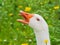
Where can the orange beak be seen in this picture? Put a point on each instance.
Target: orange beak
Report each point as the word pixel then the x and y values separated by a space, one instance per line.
pixel 26 16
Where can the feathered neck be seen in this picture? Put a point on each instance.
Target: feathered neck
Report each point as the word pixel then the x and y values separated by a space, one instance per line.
pixel 42 37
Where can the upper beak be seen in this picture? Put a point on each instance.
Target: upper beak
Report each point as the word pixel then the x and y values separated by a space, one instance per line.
pixel 26 16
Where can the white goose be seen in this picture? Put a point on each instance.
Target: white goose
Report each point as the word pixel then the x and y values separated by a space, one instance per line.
pixel 39 25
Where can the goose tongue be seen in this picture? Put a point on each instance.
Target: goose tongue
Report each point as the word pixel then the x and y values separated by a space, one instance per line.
pixel 26 16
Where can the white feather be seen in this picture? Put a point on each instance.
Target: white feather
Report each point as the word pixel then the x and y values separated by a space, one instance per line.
pixel 40 29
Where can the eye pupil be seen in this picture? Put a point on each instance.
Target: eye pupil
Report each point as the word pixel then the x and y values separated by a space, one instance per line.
pixel 38 19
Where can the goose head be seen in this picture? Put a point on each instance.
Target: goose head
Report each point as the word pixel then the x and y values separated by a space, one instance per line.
pixel 35 21
pixel 39 25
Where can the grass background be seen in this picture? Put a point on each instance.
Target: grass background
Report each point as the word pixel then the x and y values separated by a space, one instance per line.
pixel 15 33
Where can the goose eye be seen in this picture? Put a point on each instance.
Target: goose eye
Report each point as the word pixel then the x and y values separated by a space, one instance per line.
pixel 37 19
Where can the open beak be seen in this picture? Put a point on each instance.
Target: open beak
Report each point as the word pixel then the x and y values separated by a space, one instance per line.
pixel 26 16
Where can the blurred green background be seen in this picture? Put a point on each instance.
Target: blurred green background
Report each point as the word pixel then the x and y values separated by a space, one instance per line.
pixel 15 33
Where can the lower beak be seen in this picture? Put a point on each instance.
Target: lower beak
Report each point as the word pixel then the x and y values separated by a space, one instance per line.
pixel 26 16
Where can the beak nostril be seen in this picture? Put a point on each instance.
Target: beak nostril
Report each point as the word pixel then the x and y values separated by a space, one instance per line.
pixel 26 14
